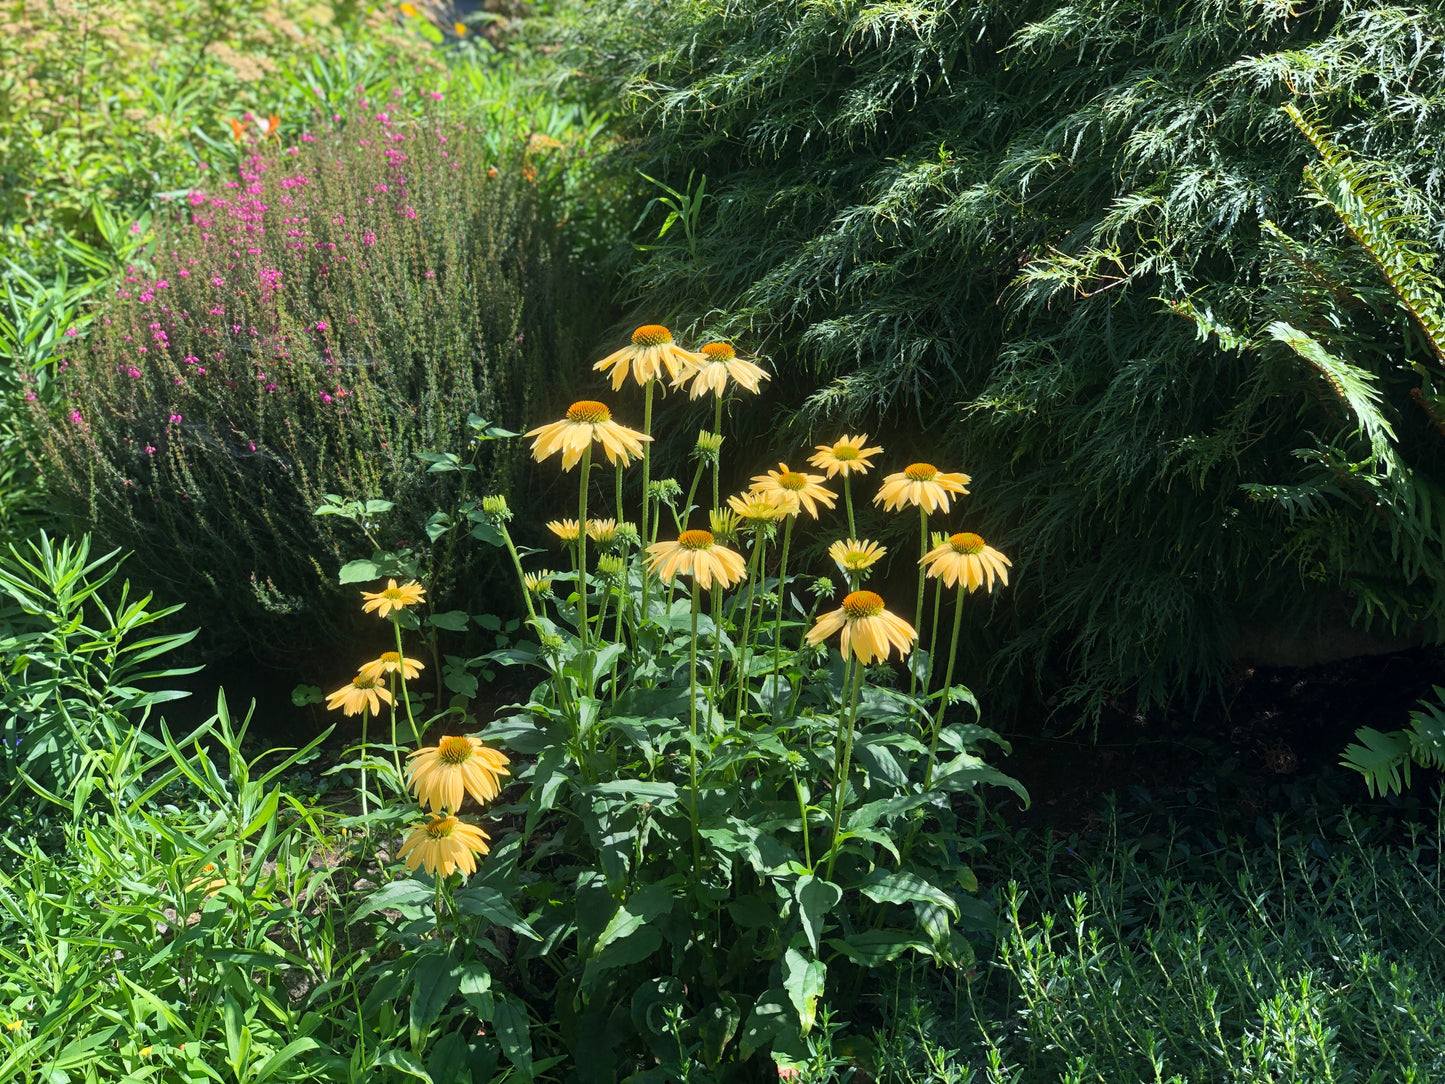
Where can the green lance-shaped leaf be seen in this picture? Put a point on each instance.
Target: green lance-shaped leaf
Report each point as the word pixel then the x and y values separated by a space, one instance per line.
pixel 1352 385
pixel 803 981
pixel 1383 759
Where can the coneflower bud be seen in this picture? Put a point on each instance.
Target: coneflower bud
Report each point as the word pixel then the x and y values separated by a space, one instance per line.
pixel 496 510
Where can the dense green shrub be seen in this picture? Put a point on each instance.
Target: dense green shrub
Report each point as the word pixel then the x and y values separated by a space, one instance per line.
pixel 306 328
pixel 1020 225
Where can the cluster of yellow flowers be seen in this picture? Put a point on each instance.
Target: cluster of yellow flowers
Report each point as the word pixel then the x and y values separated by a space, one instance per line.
pixel 442 775
pixel 868 629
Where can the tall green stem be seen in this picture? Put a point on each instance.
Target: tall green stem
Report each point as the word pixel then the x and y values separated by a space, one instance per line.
pixel 782 591
pixel 918 607
pixel 365 718
pixel 405 696
pixel 692 744
pixel 755 565
pixel 644 527
pixel 840 787
pixel 582 549
pixel 717 459
pixel 947 685
pixel 848 503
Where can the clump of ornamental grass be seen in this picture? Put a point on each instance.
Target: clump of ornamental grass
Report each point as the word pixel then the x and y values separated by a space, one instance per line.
pixel 731 802
pixel 307 327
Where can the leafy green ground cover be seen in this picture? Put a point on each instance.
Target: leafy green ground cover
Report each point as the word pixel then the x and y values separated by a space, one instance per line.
pixel 741 822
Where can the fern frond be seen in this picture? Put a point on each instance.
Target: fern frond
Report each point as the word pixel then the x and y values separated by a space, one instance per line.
pixel 1383 759
pixel 1427 731
pixel 1352 385
pixel 1363 203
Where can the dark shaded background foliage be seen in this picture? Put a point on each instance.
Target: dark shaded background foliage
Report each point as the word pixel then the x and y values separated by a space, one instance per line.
pixel 306 329
pixel 995 224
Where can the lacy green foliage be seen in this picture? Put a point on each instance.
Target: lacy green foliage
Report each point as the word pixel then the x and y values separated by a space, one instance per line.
pixel 1303 951
pixel 76 656
pixel 1384 759
pixel 1003 206
pixel 304 331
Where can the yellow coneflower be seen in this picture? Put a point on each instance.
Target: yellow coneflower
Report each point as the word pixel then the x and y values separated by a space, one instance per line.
pixel 966 560
pixel 920 484
pixel 445 844
pixel 792 488
pixel 538 583
pixel 565 529
pixel 696 554
pixel 755 508
pixel 454 766
pixel 390 663
pixel 363 692
pixel 602 531
pixel 393 597
pixel 845 456
pixel 587 420
pixel 409 10
pixel 718 364
pixel 869 630
pixel 852 555
pixel 460 29
pixel 651 352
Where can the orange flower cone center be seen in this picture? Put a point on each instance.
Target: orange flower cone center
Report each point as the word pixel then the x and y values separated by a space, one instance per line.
pixel 363 682
pixel 863 604
pixel 719 351
pixel 453 750
pixel 695 540
pixel 589 411
pixel 791 479
pixel 920 472
pixel 651 335
pixel 390 656
pixel 845 452
pixel 441 827
pixel 966 543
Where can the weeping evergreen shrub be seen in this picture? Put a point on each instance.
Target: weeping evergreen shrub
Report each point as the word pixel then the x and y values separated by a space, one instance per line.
pixel 307 327
pixel 1024 227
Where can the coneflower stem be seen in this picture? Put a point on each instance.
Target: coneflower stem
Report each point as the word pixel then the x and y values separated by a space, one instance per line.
pixel 717 459
pixel 918 607
pixel 646 483
pixel 405 698
pixel 782 581
pixel 692 744
pixel 365 718
pixel 532 609
pixel 840 787
pixel 755 564
pixel 932 642
pixel 947 683
pixel 582 549
pixel 848 503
